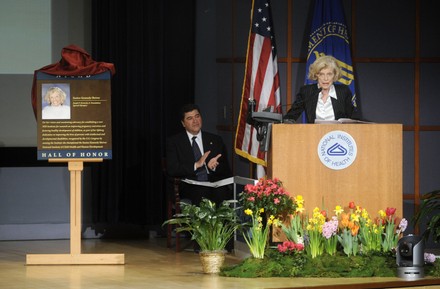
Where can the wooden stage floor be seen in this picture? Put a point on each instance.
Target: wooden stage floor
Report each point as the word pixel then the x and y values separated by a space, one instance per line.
pixel 149 264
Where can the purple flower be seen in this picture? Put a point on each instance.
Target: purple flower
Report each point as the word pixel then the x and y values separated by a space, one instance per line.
pixel 402 226
pixel 329 228
pixel 429 258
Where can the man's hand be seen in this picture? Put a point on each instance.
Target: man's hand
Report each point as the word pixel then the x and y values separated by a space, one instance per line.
pixel 202 160
pixel 213 163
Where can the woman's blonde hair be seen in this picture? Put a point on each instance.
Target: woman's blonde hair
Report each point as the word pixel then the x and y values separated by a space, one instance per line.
pixel 55 90
pixel 324 62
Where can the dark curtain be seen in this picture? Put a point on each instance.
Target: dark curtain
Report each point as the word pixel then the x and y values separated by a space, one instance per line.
pixel 151 44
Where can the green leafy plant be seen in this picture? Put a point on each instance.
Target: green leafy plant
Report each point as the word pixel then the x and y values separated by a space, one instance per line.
pixel 429 213
pixel 211 226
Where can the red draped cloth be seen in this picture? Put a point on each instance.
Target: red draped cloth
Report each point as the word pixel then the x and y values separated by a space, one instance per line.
pixel 75 61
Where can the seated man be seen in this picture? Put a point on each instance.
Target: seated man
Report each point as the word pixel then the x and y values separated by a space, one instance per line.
pixel 198 155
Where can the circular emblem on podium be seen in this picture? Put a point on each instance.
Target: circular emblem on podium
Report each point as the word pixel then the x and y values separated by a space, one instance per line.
pixel 337 150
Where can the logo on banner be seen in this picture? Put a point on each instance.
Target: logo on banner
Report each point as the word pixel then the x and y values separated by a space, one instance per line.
pixel 337 150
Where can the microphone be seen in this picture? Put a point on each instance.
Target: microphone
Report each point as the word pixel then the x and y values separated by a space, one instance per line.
pixel 251 109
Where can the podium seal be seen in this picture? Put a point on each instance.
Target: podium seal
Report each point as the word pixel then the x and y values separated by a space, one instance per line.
pixel 337 150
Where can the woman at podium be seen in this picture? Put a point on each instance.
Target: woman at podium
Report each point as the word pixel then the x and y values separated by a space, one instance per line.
pixel 323 100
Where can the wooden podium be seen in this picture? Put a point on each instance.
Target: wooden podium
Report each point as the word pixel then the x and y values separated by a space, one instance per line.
pixel 373 181
pixel 75 257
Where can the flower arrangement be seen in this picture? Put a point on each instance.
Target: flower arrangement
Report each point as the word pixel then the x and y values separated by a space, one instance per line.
pixel 264 202
pixel 351 229
pixel 322 244
pixel 268 194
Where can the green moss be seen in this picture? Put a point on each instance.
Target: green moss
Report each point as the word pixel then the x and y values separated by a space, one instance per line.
pixel 300 265
pixel 433 269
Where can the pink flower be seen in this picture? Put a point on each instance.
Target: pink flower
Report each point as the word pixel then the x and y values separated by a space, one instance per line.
pixel 282 248
pixel 299 247
pixel 330 228
pixel 289 244
pixel 289 247
pixel 268 194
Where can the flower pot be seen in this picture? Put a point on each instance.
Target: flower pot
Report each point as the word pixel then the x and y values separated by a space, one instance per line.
pixel 212 261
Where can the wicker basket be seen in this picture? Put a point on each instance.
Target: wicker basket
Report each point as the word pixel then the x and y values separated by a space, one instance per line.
pixel 212 261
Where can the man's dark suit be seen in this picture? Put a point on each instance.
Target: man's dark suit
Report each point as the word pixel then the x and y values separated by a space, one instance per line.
pixel 180 163
pixel 307 100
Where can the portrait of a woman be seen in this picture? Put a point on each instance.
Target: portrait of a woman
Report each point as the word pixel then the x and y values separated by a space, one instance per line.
pixel 57 107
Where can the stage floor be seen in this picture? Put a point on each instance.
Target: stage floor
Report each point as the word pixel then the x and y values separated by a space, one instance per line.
pixel 148 264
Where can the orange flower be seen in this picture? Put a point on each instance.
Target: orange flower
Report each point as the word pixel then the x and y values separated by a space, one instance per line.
pixel 354 228
pixel 345 220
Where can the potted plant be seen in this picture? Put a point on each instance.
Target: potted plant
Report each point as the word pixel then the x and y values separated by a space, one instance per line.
pixel 429 213
pixel 211 226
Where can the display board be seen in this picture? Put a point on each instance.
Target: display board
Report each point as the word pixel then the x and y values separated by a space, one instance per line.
pixel 74 116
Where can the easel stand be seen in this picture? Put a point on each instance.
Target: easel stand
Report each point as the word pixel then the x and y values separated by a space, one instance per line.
pixel 75 257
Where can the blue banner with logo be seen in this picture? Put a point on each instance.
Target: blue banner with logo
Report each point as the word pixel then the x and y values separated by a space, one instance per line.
pixel 329 36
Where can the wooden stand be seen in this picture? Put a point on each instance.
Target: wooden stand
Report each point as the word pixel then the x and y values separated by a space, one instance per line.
pixel 373 181
pixel 75 257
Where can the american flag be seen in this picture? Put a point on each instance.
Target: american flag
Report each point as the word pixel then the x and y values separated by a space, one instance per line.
pixel 261 80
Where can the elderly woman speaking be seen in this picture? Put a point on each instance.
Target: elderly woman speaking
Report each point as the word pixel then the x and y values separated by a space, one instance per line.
pixel 323 100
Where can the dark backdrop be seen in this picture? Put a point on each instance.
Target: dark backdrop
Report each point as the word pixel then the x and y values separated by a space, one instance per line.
pixel 151 44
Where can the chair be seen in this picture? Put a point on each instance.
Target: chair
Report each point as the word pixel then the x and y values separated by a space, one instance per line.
pixel 172 201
